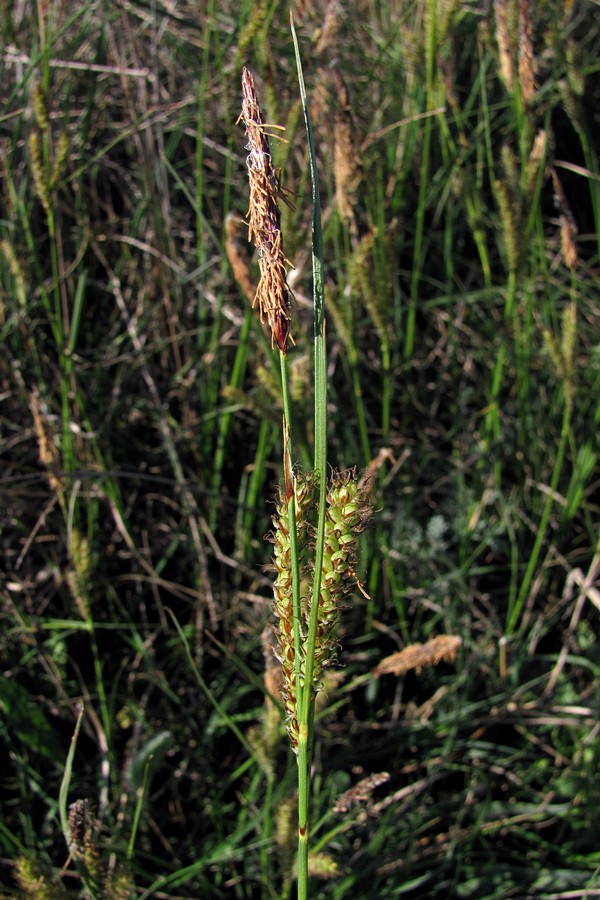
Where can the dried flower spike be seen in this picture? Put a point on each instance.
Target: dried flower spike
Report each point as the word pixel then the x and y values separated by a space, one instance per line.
pixel 237 257
pixel 360 792
pixel 347 167
pixel 416 656
pixel 264 221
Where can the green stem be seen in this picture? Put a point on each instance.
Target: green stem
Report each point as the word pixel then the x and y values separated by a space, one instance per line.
pixel 306 698
pixel 302 691
pixel 291 508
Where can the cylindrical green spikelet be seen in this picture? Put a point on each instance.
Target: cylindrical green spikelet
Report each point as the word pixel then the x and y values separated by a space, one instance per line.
pixel 78 577
pixel 536 163
pixel 40 108
pixel 285 832
pixel 568 346
pixel 119 885
pixel 347 513
pixel 510 220
pixel 282 589
pixel 60 159
pixel 34 882
pixel 39 173
pixel 16 271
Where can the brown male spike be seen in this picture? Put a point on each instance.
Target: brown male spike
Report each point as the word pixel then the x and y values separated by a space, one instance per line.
pixel 264 222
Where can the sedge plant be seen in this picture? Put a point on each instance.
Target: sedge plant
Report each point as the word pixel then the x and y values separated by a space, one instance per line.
pixel 318 518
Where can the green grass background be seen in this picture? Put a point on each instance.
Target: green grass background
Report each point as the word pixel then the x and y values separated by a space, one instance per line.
pixel 140 443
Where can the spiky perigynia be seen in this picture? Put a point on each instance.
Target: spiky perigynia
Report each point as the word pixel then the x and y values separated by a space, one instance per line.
pixel 282 589
pixel 347 513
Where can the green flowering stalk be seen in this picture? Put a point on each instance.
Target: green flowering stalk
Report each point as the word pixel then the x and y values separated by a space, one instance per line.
pixel 291 657
pixel 346 516
pixel 317 521
pixel 347 511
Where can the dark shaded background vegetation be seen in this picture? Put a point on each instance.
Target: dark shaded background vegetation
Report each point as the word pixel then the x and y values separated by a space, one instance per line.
pixel 139 434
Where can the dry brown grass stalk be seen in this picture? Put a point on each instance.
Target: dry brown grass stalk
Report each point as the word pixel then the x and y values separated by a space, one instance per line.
pixel 417 656
pixel 48 451
pixel 527 62
pixel 327 35
pixel 568 226
pixel 273 675
pixel 237 258
pixel 507 35
pixel 347 168
pixel 360 792
pixel 264 221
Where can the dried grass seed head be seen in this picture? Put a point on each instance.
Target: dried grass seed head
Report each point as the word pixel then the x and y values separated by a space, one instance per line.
pixel 417 656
